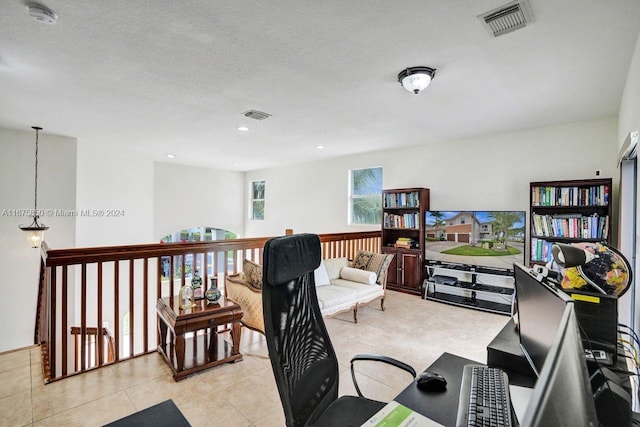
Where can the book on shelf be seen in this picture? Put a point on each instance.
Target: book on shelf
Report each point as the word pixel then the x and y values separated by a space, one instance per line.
pixel 405 243
pixel 595 195
pixel 541 250
pixel 407 220
pixel 402 200
pixel 572 226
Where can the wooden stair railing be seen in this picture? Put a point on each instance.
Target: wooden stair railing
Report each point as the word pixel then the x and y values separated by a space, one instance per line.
pixel 118 287
pixel 100 350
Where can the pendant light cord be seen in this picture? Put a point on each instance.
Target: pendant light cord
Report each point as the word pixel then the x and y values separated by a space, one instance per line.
pixel 35 193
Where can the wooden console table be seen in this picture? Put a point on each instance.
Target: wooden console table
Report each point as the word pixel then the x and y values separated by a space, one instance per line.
pixel 189 341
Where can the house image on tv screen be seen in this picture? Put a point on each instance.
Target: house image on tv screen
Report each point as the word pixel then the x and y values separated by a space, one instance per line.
pixel 477 238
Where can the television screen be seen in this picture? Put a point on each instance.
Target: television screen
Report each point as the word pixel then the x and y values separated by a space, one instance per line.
pixel 491 239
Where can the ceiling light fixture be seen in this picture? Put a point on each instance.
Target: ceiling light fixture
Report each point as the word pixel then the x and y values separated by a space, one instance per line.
pixel 41 13
pixel 243 128
pixel 35 230
pixel 416 79
pixel 320 147
pixel 171 156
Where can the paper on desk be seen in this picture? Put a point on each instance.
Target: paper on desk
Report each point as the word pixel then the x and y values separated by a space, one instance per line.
pixel 397 415
pixel 520 398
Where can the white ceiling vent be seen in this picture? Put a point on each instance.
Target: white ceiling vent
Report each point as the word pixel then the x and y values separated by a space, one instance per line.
pixel 510 17
pixel 255 114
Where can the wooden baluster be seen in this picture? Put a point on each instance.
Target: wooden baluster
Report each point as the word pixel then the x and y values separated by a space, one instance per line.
pixel 83 316
pixel 131 308
pixel 183 280
pixel 65 317
pixel 171 290
pixel 99 291
pixel 145 305
pixel 116 302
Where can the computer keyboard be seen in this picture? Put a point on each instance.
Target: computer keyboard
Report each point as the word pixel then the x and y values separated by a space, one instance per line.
pixel 484 397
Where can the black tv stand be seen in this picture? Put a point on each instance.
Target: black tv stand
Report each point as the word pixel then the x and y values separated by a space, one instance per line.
pixel 480 288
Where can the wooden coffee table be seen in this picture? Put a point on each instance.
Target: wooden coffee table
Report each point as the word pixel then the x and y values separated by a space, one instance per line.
pixel 188 339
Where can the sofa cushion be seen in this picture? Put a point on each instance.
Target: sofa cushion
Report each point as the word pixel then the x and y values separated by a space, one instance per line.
pixel 371 261
pixel 321 276
pixel 252 273
pixel 345 295
pixel 334 265
pixel 358 275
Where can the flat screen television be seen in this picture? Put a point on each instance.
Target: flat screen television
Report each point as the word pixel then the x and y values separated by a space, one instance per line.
pixel 475 239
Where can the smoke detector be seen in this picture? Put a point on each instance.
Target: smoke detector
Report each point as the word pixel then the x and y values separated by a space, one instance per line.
pixel 505 19
pixel 42 13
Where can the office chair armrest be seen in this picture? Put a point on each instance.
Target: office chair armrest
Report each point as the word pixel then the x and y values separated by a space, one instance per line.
pixel 376 358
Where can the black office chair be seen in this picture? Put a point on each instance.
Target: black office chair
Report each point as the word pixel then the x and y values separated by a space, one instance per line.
pixel 304 363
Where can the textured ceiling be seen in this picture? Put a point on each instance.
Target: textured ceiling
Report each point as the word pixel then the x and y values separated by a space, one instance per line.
pixel 175 77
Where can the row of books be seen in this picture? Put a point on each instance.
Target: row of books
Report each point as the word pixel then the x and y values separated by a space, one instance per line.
pixel 573 226
pixel 541 250
pixel 401 200
pixel 596 195
pixel 408 220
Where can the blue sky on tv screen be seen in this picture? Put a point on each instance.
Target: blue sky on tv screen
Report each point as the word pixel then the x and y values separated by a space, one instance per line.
pixel 485 216
pixel 482 216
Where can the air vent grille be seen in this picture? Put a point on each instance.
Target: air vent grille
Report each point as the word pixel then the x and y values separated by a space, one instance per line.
pixel 255 114
pixel 508 18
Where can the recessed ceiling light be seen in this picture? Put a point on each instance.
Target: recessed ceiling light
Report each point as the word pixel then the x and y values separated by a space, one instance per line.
pixel 42 14
pixel 236 164
pixel 320 147
pixel 243 128
pixel 171 156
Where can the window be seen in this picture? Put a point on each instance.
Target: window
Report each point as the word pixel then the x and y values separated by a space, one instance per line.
pixel 257 200
pixel 365 196
pixel 197 234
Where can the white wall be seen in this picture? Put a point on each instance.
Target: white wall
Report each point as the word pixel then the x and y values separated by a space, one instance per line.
pixel 186 196
pixel 118 185
pixel 629 116
pixel 484 172
pixel 19 264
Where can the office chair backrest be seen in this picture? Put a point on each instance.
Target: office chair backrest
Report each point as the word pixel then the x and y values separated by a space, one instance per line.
pixel 302 357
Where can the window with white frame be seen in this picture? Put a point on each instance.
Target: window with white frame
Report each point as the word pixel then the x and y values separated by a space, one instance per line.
pixel 256 190
pixel 365 196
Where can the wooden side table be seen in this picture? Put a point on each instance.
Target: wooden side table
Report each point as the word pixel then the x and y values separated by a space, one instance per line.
pixel 189 340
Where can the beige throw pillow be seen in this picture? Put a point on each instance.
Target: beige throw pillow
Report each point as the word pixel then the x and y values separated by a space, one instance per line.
pixel 252 273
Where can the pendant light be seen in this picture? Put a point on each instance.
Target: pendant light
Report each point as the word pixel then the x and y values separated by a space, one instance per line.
pixel 35 230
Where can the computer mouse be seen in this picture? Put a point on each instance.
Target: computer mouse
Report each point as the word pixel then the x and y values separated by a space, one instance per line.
pixel 430 381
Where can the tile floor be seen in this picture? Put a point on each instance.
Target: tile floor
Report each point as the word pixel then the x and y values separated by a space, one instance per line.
pixel 244 394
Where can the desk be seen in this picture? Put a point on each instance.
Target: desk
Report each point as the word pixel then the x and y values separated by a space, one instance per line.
pixel 503 352
pixel 203 348
pixel 441 407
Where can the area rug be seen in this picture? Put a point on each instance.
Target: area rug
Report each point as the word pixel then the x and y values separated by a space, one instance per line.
pixel 164 414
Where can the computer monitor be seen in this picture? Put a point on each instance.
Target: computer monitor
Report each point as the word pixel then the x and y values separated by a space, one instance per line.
pixel 562 394
pixel 540 310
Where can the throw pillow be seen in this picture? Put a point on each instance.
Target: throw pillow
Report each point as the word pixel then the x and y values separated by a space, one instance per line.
pixel 321 276
pixel 252 273
pixel 358 275
pixel 371 261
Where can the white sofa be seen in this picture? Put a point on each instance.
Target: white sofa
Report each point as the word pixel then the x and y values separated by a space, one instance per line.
pixel 339 288
pixel 343 294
